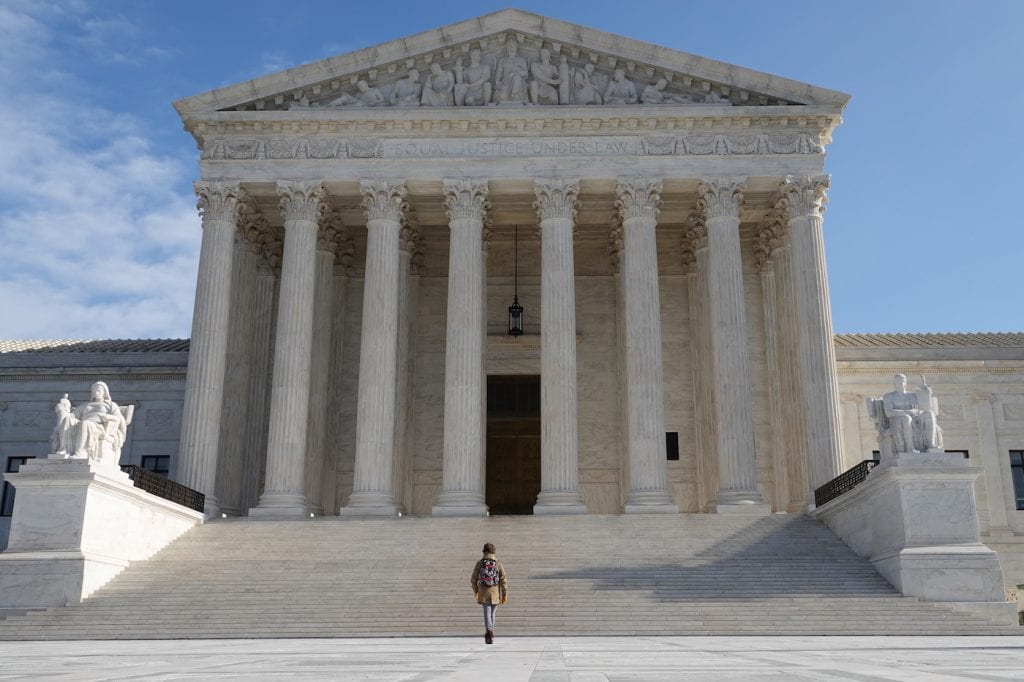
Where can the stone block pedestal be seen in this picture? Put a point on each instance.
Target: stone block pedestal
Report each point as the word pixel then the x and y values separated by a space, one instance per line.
pixel 915 519
pixel 76 525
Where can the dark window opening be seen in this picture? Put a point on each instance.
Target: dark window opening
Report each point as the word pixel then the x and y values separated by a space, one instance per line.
pixel 7 500
pixel 1017 474
pixel 158 464
pixel 672 446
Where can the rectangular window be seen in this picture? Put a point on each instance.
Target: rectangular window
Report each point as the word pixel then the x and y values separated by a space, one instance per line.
pixel 672 445
pixel 1017 474
pixel 7 500
pixel 158 464
pixel 965 453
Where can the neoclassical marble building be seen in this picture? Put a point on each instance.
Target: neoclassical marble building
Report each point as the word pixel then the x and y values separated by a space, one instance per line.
pixel 357 264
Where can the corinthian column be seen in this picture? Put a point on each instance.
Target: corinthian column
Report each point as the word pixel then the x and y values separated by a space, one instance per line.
pixel 638 203
pixel 720 201
pixel 204 386
pixel 559 477
pixel 284 487
pixel 464 401
pixel 802 200
pixel 372 484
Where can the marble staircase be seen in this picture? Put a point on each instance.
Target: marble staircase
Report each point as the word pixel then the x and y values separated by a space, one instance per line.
pixel 579 575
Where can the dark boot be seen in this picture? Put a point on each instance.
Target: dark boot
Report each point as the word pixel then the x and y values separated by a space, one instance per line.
pixel 489 637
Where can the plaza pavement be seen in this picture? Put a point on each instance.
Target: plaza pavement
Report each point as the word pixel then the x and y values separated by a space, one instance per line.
pixel 533 659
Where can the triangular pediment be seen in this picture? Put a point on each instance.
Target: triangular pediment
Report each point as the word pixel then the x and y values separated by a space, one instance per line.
pixel 511 58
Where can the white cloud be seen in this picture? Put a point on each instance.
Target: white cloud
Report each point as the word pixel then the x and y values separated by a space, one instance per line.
pixel 99 238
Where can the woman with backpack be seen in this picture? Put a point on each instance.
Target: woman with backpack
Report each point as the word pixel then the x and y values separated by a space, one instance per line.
pixel 490 588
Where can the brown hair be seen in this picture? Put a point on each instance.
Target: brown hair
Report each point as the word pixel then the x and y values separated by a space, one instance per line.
pixel 488 548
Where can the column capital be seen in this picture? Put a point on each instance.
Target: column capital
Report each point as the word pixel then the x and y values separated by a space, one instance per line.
pixel 720 197
pixel 556 198
pixel 770 238
pixel 615 245
pixel 219 201
pixel 466 199
pixel 252 229
pixel 803 195
pixel 330 229
pixel 384 199
pixel 695 238
pixel 638 198
pixel 301 200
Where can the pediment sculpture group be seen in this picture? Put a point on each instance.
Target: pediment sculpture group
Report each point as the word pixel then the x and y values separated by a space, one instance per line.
pixel 512 80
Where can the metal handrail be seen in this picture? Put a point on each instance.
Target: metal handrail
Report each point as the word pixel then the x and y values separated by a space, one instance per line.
pixel 844 482
pixel 156 484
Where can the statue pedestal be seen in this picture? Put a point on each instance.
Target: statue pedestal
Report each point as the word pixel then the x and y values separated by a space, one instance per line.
pixel 915 519
pixel 75 526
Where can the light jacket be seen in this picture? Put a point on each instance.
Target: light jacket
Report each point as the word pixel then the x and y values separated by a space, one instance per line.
pixel 493 594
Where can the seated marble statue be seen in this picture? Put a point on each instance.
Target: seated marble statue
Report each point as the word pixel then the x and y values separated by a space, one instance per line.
pixel 583 84
pixel 407 91
pixel 365 97
pixel 473 84
pixel 95 430
pixel 544 86
pixel 510 78
pixel 620 90
pixel 437 91
pixel 906 421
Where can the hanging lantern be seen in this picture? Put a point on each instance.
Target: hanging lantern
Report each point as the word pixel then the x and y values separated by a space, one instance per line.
pixel 515 311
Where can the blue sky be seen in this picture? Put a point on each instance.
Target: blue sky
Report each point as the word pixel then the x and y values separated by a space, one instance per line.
pixel 99 235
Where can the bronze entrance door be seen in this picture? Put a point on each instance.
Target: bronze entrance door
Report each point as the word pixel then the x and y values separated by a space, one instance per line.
pixel 513 443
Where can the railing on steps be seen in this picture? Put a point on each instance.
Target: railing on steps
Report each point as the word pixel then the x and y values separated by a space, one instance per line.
pixel 844 482
pixel 165 488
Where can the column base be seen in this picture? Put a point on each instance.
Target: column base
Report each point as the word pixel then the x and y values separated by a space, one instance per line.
pixel 370 504
pixel 741 502
pixel 650 502
pixel 459 503
pixel 555 502
pixel 280 504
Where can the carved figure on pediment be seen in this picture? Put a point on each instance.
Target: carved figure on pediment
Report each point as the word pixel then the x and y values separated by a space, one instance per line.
pixel 407 91
pixel 714 98
pixel 585 90
pixel 655 94
pixel 905 421
pixel 473 86
pixel 95 430
pixel 439 87
pixel 621 90
pixel 544 85
pixel 511 77
pixel 365 96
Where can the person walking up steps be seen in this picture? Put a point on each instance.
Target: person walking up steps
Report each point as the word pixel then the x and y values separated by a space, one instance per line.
pixel 490 587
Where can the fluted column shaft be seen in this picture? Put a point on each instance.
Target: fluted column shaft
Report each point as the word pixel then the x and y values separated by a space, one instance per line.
pixel 721 200
pixel 257 402
pixel 803 200
pixel 204 386
pixel 238 373
pixel 559 478
pixel 320 360
pixel 461 483
pixel 792 408
pixel 696 253
pixel 284 486
pixel 372 493
pixel 638 204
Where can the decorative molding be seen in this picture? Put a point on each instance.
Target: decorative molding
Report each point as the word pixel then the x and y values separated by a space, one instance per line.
pixel 720 197
pixel 302 201
pixel 384 199
pixel 557 198
pixel 803 196
pixel 241 149
pixel 219 201
pixel 638 198
pixel 466 199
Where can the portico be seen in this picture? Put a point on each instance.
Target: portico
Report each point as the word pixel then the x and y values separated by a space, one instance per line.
pixel 670 267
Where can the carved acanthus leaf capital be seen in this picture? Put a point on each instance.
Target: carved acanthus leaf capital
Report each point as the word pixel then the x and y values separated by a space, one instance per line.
pixel 302 201
pixel 803 196
pixel 384 199
pixel 720 197
pixel 219 201
pixel 466 199
pixel 638 198
pixel 252 228
pixel 330 229
pixel 557 198
pixel 615 248
pixel 409 234
pixel 695 238
pixel 770 237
